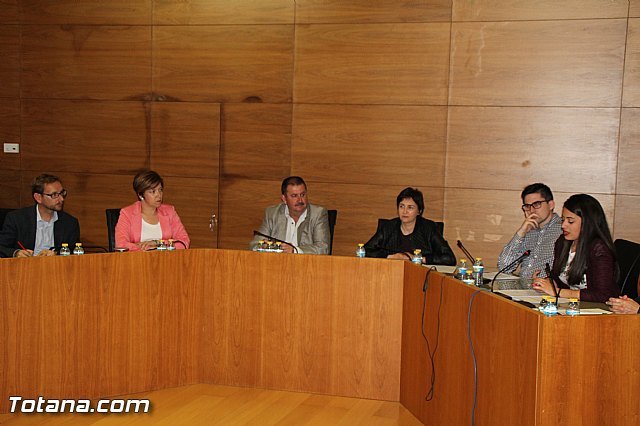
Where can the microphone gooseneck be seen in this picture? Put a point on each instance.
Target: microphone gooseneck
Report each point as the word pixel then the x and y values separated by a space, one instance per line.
pixel 515 262
pixel 464 250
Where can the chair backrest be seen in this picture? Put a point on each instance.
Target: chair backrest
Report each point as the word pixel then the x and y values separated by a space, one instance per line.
pixel 112 220
pixel 333 216
pixel 439 225
pixel 628 254
pixel 3 213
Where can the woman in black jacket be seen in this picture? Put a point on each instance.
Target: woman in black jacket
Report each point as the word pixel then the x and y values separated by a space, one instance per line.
pixel 398 238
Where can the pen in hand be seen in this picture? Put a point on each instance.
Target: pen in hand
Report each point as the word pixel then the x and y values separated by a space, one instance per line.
pixel 27 252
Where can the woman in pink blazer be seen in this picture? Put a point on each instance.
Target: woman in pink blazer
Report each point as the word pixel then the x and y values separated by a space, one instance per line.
pixel 146 221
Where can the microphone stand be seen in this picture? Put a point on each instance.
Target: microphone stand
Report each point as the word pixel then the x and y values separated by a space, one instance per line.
pixel 553 283
pixel 515 262
pixel 464 250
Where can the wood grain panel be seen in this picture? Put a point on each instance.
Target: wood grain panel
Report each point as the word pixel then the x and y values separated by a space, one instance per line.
pixel 360 206
pixel 522 145
pixel 9 132
pixel 233 332
pixel 10 64
pixel 199 12
pixel 194 199
pixel 89 316
pixel 372 64
pixel 487 225
pixel 84 136
pixel 9 12
pixel 629 153
pixel 564 63
pixel 256 141
pixel 363 11
pixel 87 12
pixel 631 92
pixel 95 62
pixel 369 144
pixel 185 139
pixel 361 355
pixel 365 342
pixel 242 204
pixel 591 350
pixel 199 315
pixel 250 63
pixel 626 221
pixel 634 8
pixel 506 359
pixel 9 188
pixel 512 10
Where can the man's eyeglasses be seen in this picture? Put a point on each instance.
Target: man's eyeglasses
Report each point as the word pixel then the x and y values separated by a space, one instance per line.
pixel 56 195
pixel 535 205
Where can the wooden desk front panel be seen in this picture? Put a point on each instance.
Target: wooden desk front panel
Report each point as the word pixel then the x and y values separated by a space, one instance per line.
pixel 532 370
pixel 111 324
pixel 505 342
pixel 321 324
pixel 590 370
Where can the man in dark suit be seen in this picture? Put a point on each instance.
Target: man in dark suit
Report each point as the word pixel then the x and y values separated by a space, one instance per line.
pixel 304 226
pixel 42 227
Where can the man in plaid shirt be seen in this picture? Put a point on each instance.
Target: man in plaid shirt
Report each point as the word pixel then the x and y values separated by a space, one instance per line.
pixel 539 231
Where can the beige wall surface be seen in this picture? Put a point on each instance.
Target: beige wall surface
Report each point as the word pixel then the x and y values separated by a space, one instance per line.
pixel 468 101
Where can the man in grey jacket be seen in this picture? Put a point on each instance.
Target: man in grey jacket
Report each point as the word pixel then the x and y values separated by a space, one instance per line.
pixel 303 226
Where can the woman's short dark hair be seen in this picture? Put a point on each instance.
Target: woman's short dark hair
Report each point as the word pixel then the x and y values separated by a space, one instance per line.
pixel 146 180
pixel 594 227
pixel 415 195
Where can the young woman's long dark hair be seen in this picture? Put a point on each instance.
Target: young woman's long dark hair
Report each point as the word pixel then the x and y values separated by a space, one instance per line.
pixel 594 227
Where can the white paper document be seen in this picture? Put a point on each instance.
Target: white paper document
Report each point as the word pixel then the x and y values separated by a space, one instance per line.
pixel 503 276
pixel 529 295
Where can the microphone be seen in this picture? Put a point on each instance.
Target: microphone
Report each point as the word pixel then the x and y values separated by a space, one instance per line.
pixel 515 262
pixel 553 283
pixel 275 239
pixel 464 250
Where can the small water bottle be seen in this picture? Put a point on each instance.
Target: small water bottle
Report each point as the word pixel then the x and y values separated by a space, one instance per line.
pixel 171 245
pixel 550 308
pixel 468 277
pixel 360 251
pixel 478 271
pixel 543 303
pixel 417 257
pixel 278 247
pixel 78 250
pixel 161 245
pixel 64 250
pixel 461 269
pixel 573 308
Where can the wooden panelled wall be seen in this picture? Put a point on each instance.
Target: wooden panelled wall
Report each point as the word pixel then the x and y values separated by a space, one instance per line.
pixel 467 100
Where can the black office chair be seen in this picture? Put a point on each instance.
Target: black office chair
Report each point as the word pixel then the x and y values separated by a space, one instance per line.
pixel 333 215
pixel 112 220
pixel 3 213
pixel 439 225
pixel 628 254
